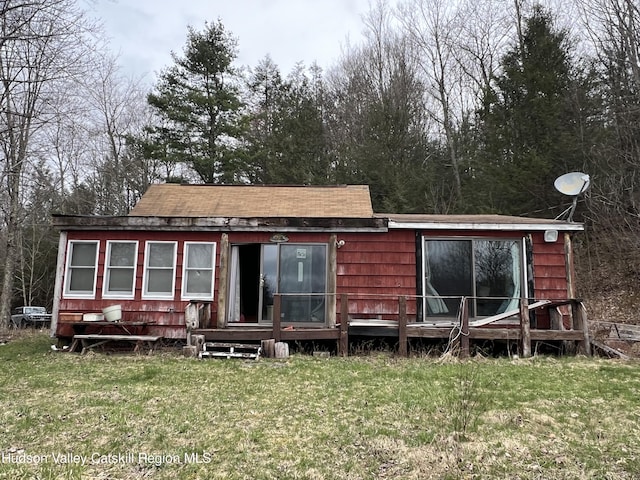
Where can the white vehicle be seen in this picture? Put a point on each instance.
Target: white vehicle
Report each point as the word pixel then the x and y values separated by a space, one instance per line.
pixel 30 317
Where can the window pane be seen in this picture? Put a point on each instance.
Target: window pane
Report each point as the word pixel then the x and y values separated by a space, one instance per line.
pixel 199 281
pixel 120 280
pixel 159 281
pixel 448 274
pixel 497 270
pixel 160 255
pixel 199 255
pixel 83 254
pixel 121 254
pixel 81 280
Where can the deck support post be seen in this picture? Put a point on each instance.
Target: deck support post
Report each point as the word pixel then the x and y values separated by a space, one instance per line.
pixel 277 302
pixel 525 328
pixel 343 343
pixel 464 329
pixel 580 323
pixel 402 326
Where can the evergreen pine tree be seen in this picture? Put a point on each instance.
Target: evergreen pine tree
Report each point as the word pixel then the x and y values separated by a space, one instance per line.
pixel 528 123
pixel 198 104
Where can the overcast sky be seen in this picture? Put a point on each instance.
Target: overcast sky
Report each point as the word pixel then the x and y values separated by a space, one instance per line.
pixel 144 32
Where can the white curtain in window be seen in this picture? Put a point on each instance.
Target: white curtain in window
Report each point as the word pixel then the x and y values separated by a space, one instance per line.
pixel 514 302
pixel 234 286
pixel 434 300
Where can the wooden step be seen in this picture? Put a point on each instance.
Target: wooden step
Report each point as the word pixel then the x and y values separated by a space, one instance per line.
pixel 230 350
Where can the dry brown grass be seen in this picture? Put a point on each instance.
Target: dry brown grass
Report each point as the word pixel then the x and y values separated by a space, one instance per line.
pixel 374 417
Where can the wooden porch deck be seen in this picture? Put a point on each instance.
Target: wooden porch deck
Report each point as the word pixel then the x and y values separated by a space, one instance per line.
pixel 460 330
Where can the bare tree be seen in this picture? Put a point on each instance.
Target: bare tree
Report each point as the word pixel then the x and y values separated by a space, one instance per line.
pixel 433 27
pixel 118 112
pixel 485 28
pixel 377 120
pixel 41 43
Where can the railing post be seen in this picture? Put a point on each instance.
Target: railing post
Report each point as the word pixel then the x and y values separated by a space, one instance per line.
pixel 343 343
pixel 464 329
pixel 402 326
pixel 277 299
pixel 525 328
pixel 580 323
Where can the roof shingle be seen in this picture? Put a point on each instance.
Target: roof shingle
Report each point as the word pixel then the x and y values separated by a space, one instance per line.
pixel 254 201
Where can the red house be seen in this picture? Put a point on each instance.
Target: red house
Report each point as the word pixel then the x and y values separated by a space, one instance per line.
pixel 302 262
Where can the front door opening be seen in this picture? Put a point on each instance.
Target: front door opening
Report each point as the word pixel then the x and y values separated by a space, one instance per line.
pixel 296 271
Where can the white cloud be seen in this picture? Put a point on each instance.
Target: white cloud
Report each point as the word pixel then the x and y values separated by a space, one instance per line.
pixel 144 32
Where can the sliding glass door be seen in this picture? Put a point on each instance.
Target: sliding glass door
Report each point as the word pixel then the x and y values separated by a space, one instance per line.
pixel 259 271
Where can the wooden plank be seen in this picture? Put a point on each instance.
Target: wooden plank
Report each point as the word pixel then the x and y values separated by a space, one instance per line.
pixel 402 326
pixel 557 335
pixel 428 332
pixel 495 334
pixel 268 348
pixel 580 323
pixel 556 319
pixel 343 345
pixel 608 350
pixel 90 341
pixel 464 328
pixel 374 331
pixel 277 317
pixel 311 334
pixel 244 346
pixel 331 280
pixel 510 313
pixel 240 334
pixel 247 355
pixel 525 328
pixel 372 322
pixel 223 274
pixel 230 350
pixel 130 338
pixel 624 331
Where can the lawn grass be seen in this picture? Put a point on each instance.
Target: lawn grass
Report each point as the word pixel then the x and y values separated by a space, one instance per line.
pixel 376 416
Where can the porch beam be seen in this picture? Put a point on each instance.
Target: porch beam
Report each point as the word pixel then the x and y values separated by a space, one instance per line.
pixel 525 328
pixel 464 329
pixel 402 326
pixel 277 331
pixel 343 344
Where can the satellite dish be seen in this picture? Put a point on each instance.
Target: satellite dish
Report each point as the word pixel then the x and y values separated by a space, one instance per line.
pixel 571 184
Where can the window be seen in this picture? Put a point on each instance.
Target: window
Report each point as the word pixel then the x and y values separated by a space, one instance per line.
pixel 197 278
pixel 120 269
pixel 159 269
pixel 487 270
pixel 82 261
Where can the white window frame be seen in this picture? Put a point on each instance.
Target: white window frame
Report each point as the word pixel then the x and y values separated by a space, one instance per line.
pixel 185 272
pixel 145 280
pixel 68 293
pixel 107 271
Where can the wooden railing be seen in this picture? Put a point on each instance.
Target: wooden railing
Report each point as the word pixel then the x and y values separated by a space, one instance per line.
pixel 399 318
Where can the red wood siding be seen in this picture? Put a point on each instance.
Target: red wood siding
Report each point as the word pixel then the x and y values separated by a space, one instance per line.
pixel 167 315
pixel 549 268
pixel 549 274
pixel 374 269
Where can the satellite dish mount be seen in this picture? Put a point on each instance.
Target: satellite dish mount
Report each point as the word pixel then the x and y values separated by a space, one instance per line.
pixel 571 184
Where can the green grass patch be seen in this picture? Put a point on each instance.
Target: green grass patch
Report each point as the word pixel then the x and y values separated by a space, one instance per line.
pixel 163 416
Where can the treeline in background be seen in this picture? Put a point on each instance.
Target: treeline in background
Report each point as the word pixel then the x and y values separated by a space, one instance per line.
pixel 473 106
